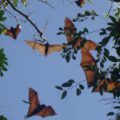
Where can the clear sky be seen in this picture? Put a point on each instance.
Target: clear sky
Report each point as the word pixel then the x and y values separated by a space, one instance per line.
pixel 28 68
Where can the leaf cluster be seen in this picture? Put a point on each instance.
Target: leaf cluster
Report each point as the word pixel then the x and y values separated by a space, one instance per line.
pixel 3 62
pixel 64 87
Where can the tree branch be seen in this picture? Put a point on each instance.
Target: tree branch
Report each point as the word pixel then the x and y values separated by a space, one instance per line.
pixel 27 18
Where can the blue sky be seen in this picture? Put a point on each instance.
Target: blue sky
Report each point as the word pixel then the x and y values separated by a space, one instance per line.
pixel 27 68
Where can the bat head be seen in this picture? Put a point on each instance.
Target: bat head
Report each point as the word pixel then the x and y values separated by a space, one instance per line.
pixel 69 29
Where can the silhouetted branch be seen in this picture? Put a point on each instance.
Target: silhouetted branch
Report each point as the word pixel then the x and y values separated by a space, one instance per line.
pixel 17 19
pixel 26 17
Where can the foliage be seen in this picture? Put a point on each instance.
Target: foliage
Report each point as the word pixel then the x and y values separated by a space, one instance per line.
pixel 2 117
pixel 69 85
pixel 3 62
pixel 110 33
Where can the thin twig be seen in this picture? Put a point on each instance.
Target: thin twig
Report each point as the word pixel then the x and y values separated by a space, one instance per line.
pixel 47 3
pixel 110 8
pixel 27 18
pixel 93 32
pixel 17 19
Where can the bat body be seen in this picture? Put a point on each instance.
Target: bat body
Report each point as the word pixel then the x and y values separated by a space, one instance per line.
pixel 88 60
pixel 45 49
pixel 13 32
pixel 80 3
pixel 36 108
pixel 69 29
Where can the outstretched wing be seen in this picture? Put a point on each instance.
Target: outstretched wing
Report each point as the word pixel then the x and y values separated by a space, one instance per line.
pixel 111 85
pixel 47 111
pixel 89 44
pixel 36 45
pixel 88 61
pixel 45 49
pixel 13 32
pixel 34 101
pixel 55 48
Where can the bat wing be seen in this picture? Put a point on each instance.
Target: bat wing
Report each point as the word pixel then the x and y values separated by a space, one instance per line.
pixel 111 85
pixel 9 33
pixel 34 101
pixel 17 31
pixel 55 48
pixel 36 45
pixel 88 60
pixel 47 111
pixel 13 32
pixel 90 45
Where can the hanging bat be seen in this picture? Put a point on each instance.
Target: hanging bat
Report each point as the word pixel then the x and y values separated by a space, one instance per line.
pixel 89 44
pixel 87 61
pixel 45 49
pixel 80 3
pixel 13 32
pixel 111 86
pixel 36 108
pixel 69 29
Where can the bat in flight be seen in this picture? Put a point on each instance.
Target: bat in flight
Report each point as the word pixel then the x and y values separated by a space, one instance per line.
pixel 13 32
pixel 36 108
pixel 45 49
pixel 70 31
pixel 87 61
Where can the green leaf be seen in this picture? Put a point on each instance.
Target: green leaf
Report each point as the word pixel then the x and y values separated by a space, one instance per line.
pixel 1 13
pixel 110 114
pixel 24 2
pixel 65 85
pixel 64 94
pixel 101 64
pixel 112 58
pixel 113 19
pixel 15 2
pixel 2 117
pixel 58 87
pixel 60 28
pixel 70 81
pixel 81 86
pixel 106 52
pixel 78 91
pixel 105 41
pixel 117 107
pixel 59 33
